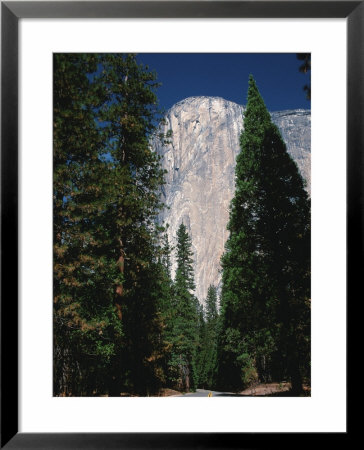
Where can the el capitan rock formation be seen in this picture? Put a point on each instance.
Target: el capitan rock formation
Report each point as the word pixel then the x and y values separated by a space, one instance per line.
pixel 200 163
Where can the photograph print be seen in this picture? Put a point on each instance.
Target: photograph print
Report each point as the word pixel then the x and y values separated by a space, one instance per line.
pixel 181 225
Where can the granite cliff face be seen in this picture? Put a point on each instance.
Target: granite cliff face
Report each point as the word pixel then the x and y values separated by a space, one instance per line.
pixel 200 164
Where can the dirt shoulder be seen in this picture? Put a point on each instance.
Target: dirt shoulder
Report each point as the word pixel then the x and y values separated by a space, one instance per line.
pixel 273 390
pixel 166 392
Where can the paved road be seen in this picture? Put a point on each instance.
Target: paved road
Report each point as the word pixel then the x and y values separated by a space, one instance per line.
pixel 204 393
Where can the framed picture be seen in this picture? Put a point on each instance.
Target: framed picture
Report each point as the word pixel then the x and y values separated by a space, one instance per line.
pixel 44 417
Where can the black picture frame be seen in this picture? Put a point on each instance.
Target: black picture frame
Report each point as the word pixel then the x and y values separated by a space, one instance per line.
pixel 11 12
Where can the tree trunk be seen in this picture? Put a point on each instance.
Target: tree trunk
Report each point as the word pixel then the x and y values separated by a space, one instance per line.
pixel 289 341
pixel 294 371
pixel 119 288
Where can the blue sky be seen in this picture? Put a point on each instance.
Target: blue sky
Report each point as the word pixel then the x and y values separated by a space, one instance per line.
pixel 226 75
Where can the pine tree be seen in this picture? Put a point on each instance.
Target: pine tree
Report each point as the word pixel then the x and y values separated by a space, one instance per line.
pixel 208 339
pixel 211 304
pixel 166 311
pixel 265 324
pixel 136 176
pixel 106 244
pixel 184 336
pixel 86 329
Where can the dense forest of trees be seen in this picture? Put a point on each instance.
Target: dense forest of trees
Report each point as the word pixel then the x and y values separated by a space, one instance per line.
pixel 106 243
pixel 122 325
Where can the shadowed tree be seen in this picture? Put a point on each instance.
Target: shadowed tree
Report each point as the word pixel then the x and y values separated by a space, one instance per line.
pixel 208 340
pixel 184 338
pixel 106 244
pixel 265 313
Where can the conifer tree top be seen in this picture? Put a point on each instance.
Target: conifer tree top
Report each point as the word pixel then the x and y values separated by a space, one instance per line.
pixel 256 110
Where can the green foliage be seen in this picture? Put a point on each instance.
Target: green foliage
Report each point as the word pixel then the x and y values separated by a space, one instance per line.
pixel 107 278
pixel 184 326
pixel 207 362
pixel 120 323
pixel 266 264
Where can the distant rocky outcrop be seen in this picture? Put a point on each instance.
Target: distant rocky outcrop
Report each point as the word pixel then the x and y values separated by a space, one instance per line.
pixel 200 163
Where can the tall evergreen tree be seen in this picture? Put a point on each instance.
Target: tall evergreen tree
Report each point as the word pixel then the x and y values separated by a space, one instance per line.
pixel 208 339
pixel 184 337
pixel 86 330
pixel 106 243
pixel 136 177
pixel 166 310
pixel 265 318
pixel 211 304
